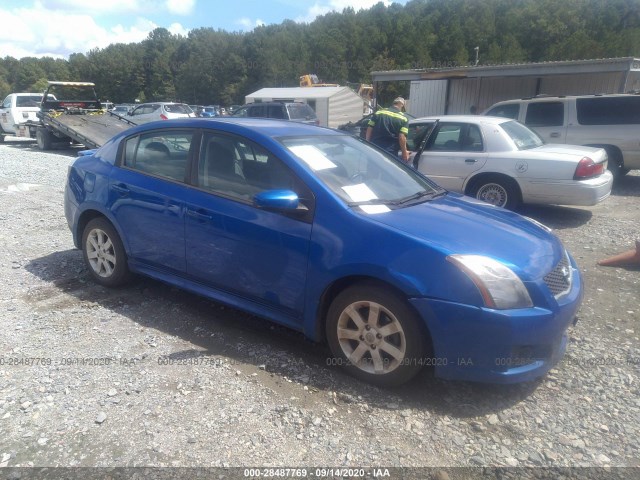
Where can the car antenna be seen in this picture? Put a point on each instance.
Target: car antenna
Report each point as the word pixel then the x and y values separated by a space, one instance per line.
pixel 427 137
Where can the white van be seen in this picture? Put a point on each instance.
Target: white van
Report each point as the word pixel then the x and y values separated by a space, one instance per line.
pixel 611 122
pixel 16 109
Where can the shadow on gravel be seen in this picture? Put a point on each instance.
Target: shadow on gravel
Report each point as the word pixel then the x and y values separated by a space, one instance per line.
pixel 278 354
pixel 627 186
pixel 554 216
pixel 32 146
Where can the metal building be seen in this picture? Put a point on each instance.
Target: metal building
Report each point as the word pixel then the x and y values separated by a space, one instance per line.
pixel 334 106
pixel 456 90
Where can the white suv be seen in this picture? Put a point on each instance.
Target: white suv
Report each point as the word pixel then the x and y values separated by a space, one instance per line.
pixel 611 122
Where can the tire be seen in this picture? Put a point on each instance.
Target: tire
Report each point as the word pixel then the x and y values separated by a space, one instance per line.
pixel 1 138
pixel 43 138
pixel 375 335
pixel 498 191
pixel 615 164
pixel 104 253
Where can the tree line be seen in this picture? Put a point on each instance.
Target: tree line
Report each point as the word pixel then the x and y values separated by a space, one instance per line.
pixel 218 67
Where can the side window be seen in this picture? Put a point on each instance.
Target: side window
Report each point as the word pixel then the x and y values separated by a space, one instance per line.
pixel 256 111
pixel 238 168
pixel 161 153
pixel 417 134
pixel 7 102
pixel 472 141
pixel 608 110
pixel 276 111
pixel 545 114
pixel 511 110
pixel 447 138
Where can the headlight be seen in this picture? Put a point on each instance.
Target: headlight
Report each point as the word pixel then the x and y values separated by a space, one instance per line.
pixel 500 288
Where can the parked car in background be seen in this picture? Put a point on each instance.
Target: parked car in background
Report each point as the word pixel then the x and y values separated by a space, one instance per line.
pixel 611 122
pixel 232 108
pixel 502 162
pixel 323 233
pixel 148 112
pixel 294 111
pixel 197 109
pixel 122 109
pixel 210 111
pixel 16 109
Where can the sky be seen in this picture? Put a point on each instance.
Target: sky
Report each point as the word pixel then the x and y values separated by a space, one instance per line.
pixel 58 28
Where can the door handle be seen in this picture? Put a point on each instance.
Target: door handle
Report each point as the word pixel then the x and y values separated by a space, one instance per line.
pixel 470 160
pixel 554 135
pixel 199 215
pixel 123 190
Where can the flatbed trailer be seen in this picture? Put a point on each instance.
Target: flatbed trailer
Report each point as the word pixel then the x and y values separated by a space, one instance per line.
pixel 71 112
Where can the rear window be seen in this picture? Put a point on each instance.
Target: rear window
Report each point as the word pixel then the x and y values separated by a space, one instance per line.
pixel 178 108
pixel 28 100
pixel 300 111
pixel 608 111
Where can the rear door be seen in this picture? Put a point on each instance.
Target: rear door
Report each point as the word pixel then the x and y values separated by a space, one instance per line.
pixel 455 150
pixel 146 197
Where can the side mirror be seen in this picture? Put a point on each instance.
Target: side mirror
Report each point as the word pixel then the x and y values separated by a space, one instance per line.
pixel 277 200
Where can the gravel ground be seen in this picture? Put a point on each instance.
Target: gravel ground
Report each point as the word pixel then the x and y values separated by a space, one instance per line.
pixel 152 376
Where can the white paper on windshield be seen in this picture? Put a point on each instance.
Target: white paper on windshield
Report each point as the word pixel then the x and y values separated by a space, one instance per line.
pixel 373 209
pixel 359 193
pixel 312 157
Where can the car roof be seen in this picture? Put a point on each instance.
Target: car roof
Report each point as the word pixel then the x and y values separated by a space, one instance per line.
pixel 263 126
pixel 462 118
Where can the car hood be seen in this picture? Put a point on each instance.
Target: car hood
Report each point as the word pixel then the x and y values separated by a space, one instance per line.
pixel 462 225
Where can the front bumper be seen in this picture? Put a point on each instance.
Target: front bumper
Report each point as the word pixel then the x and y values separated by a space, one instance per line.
pixel 498 346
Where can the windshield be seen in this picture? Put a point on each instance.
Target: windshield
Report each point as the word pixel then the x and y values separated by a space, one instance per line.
pixel 522 136
pixel 360 174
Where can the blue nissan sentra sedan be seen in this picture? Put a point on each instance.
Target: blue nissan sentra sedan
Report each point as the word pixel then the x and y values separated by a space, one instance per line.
pixel 319 231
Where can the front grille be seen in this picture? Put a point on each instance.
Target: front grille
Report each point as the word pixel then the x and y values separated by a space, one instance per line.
pixel 560 278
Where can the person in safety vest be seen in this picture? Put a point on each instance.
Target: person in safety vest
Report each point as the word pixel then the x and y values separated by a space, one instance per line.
pixel 388 129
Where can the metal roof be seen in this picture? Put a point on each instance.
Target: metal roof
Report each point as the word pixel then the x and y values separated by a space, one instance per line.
pixel 623 64
pixel 297 92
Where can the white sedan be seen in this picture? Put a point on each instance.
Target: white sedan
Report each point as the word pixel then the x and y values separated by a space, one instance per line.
pixel 502 162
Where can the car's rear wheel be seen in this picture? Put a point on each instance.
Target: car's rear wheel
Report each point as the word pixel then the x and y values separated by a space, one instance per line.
pixel 498 191
pixel 104 253
pixel 375 335
pixel 615 163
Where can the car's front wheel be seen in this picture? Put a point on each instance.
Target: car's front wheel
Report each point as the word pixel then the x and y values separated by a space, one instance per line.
pixel 104 253
pixel 375 335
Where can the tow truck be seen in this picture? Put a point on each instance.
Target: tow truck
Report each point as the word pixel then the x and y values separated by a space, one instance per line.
pixel 71 112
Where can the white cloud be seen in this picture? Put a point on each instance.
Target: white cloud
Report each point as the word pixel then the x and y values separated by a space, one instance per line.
pixel 248 24
pixel 324 7
pixel 180 7
pixel 42 32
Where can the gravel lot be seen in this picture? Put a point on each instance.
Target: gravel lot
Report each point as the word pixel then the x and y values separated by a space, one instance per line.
pixel 152 376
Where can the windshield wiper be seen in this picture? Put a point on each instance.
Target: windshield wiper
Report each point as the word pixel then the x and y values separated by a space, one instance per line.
pixel 418 195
